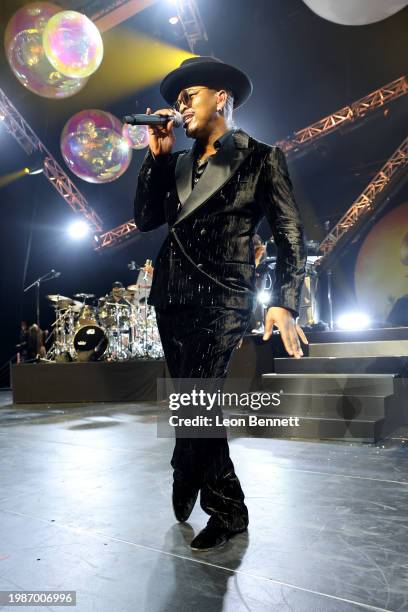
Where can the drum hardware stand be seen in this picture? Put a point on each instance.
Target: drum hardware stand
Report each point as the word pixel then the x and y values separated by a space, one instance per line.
pixel 42 279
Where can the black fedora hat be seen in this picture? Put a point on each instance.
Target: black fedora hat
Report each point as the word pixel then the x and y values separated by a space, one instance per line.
pixel 208 71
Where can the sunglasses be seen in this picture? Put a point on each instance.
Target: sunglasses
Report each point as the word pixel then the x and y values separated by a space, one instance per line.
pixel 185 97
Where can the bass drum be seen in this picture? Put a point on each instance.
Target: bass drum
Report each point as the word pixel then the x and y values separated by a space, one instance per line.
pixel 90 343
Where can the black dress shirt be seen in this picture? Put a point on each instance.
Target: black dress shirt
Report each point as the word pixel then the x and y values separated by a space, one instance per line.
pixel 199 168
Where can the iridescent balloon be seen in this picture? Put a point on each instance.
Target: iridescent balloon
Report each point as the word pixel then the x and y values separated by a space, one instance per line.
pixel 26 56
pixel 30 17
pixel 73 44
pixel 136 135
pixel 93 147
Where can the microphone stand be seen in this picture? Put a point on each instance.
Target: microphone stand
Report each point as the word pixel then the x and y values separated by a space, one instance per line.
pixel 37 283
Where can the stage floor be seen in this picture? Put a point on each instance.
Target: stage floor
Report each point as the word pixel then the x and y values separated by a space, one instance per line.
pixel 85 505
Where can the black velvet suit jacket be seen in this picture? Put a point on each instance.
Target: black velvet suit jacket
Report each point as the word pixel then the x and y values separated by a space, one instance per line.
pixel 208 255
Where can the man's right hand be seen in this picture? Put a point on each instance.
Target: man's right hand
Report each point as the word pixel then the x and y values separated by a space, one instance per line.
pixel 161 137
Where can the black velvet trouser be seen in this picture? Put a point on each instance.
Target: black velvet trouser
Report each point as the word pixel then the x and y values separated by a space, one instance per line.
pixel 198 343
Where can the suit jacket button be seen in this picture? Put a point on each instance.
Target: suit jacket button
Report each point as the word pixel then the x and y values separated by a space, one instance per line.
pixel 203 231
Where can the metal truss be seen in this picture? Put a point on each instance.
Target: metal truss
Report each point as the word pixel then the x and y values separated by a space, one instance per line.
pixel 18 127
pixel 191 23
pixel 346 115
pixel 96 9
pixel 304 137
pixel 100 9
pixel 367 200
pixel 114 13
pixel 66 188
pixel 115 235
pixel 106 14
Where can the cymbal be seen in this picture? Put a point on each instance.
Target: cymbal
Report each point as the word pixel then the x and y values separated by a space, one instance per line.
pixel 56 297
pixel 84 296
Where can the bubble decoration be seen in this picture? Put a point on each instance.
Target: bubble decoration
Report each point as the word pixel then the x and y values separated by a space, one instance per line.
pixel 73 44
pixel 26 56
pixel 137 136
pixel 32 16
pixel 353 13
pixel 93 147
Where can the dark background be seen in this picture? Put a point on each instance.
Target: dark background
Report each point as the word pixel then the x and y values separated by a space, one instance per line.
pixel 302 67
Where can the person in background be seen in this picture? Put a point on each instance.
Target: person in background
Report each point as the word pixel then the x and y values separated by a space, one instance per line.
pixel 117 294
pixel 22 343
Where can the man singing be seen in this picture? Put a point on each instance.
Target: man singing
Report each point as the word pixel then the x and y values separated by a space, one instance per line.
pixel 213 197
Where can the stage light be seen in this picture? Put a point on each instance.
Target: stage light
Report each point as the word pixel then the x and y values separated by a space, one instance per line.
pixel 174 20
pixel 78 230
pixel 353 320
pixel 6 179
pixel 35 171
pixel 263 297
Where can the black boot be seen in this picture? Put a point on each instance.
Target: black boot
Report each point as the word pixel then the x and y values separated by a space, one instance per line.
pixel 213 536
pixel 223 499
pixel 184 496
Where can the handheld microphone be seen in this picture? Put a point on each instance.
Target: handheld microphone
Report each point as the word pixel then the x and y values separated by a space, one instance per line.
pixel 154 119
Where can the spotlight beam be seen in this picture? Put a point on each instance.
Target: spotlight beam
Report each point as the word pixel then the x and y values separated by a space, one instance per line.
pixel 6 179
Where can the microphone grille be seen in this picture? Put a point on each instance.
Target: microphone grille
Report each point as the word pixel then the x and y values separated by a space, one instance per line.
pixel 178 119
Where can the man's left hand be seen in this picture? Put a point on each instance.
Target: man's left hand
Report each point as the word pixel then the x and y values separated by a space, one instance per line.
pixel 290 331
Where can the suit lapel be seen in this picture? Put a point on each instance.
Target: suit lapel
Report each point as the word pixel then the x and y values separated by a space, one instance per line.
pixel 219 170
pixel 184 172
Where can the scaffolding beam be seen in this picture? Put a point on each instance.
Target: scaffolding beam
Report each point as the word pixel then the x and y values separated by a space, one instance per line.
pixel 347 115
pixel 115 235
pixel 115 13
pixel 191 23
pixel 18 127
pixel 367 200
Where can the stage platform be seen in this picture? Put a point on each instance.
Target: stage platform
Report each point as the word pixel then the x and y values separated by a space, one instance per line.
pixel 98 381
pixel 125 381
pixel 86 505
pixel 348 386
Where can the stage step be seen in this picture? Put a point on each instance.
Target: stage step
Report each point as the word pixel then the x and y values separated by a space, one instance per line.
pixel 360 335
pixel 343 365
pixel 375 348
pixel 316 428
pixel 345 407
pixel 347 384
pixel 338 405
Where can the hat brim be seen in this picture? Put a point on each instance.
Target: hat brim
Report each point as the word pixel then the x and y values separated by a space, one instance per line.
pixel 215 75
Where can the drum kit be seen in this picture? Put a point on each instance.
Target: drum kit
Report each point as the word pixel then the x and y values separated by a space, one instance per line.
pixel 106 329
